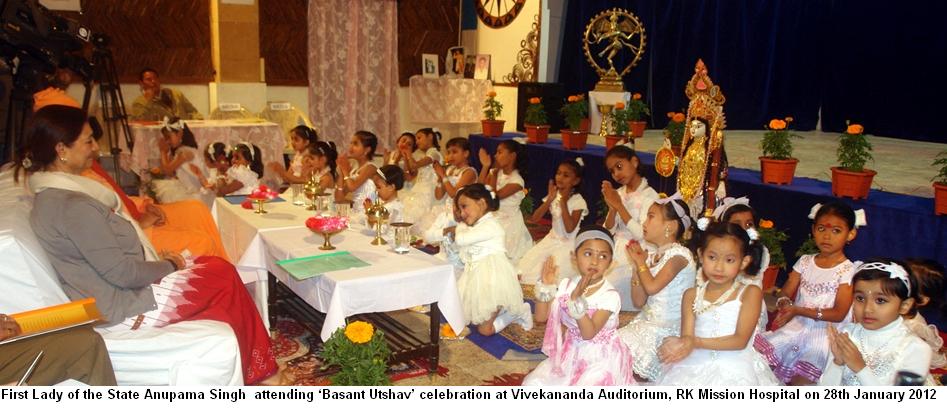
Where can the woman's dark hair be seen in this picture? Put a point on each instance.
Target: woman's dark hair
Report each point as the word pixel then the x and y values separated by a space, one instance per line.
pixel 393 175
pixel 670 214
pixel 930 283
pixel 307 133
pixel 576 168
pixel 368 139
pixel 726 229
pixel 187 139
pixel 477 191
pixel 520 150
pixel 216 150
pixel 839 209
pixel 625 153
pixel 590 228
pixel 435 136
pixel 461 142
pixel 890 286
pixel 414 140
pixel 733 210
pixel 51 125
pixel 326 149
pixel 255 159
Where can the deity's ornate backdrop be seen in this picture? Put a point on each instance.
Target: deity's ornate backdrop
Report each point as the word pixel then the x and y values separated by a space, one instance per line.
pixel 874 62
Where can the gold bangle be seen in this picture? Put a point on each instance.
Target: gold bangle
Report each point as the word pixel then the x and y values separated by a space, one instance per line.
pixel 635 282
pixel 642 268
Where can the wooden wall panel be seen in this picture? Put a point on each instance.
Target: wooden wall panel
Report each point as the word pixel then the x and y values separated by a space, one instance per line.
pixel 172 36
pixel 425 26
pixel 283 41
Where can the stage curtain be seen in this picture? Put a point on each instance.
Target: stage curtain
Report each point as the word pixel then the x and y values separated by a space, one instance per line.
pixel 758 52
pixel 353 68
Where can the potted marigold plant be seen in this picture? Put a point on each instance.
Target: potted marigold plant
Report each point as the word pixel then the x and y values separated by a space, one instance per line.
pixel 674 131
pixel 851 178
pixel 637 111
pixel 537 125
pixel 940 184
pixel 574 111
pixel 777 165
pixel 361 354
pixel 492 127
pixel 772 239
pixel 618 118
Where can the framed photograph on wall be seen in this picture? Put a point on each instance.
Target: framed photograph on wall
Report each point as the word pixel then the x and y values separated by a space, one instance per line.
pixel 482 69
pixel 455 62
pixel 429 65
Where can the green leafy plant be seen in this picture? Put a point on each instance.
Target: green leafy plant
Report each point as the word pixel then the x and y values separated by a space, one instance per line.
pixel 535 113
pixel 575 109
pixel 675 128
pixel 941 161
pixel 637 109
pixel 777 143
pixel 773 239
pixel 854 150
pixel 491 107
pixel 361 354
pixel 807 248
pixel 619 117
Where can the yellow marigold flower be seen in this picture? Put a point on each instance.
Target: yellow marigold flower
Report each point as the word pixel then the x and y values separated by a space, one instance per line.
pixel 534 100
pixel 359 332
pixel 619 105
pixel 678 117
pixel 492 94
pixel 636 96
pixel 671 115
pixel 447 331
pixel 855 129
pixel 155 170
pixel 572 98
pixel 775 124
pixel 766 224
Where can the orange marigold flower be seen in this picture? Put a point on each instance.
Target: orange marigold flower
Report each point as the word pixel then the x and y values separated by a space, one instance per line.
pixel 447 331
pixel 534 100
pixel 572 98
pixel 636 96
pixel 766 224
pixel 492 94
pixel 155 170
pixel 855 129
pixel 679 117
pixel 619 105
pixel 789 119
pixel 775 124
pixel 670 115
pixel 359 332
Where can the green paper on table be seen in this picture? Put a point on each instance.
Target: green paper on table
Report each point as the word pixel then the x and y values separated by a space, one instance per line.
pixel 312 266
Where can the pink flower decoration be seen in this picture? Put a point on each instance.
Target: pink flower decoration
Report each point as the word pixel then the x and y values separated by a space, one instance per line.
pixel 327 223
pixel 247 204
pixel 263 192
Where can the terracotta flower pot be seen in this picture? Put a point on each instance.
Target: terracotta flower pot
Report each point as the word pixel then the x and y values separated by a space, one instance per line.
pixel 612 141
pixel 574 140
pixel 777 171
pixel 851 184
pixel 940 198
pixel 769 277
pixel 492 128
pixel 585 124
pixel 537 134
pixel 637 128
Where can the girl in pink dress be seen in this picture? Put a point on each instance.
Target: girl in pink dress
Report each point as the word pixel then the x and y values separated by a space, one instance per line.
pixel 581 316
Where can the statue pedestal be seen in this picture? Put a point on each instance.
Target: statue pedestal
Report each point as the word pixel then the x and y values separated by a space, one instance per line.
pixel 597 97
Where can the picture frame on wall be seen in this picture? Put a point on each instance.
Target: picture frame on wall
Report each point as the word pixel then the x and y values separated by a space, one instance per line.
pixel 482 68
pixel 455 62
pixel 429 65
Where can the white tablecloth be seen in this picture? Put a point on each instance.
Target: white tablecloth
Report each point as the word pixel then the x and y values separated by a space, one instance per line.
pixel 448 100
pixel 266 135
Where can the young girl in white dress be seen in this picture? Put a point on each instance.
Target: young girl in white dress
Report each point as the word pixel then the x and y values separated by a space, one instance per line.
pixel 567 208
pixel 441 215
pixel 419 163
pixel 301 137
pixel 389 180
pixel 738 212
pixel 873 349
pixel 818 292
pixel 581 315
pixel 489 291
pixel 355 181
pixel 507 181
pixel 180 161
pixel 662 275
pixel 718 317
pixel 929 299
pixel 245 171
pixel 627 208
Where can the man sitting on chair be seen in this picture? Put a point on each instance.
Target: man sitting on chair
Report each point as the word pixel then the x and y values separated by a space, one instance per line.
pixel 155 103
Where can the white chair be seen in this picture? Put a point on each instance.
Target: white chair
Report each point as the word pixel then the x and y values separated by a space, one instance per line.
pixel 199 352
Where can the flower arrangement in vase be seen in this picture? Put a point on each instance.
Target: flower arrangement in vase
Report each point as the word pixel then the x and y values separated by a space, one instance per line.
pixel 361 354
pixel 772 239
pixel 636 111
pixel 536 122
pixel 492 127
pixel 260 196
pixel 851 178
pixel 327 226
pixel 618 118
pixel 575 111
pixel 777 165
pixel 940 184
pixel 674 131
